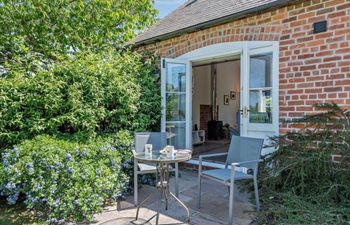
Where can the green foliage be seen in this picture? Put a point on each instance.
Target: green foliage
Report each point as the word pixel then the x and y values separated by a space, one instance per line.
pixel 32 31
pixel 70 180
pixel 85 96
pixel 66 85
pixel 61 75
pixel 303 160
pixel 63 71
pixel 300 182
pixel 289 208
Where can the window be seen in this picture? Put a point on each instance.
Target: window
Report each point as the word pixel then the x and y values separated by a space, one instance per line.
pixel 260 88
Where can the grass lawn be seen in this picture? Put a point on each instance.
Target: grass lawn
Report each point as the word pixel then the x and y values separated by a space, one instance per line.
pixel 17 215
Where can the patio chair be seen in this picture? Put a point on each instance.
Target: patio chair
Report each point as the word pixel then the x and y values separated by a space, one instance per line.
pixel 243 151
pixel 158 141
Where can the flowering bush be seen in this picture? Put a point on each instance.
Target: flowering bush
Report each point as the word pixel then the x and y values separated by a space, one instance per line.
pixel 69 180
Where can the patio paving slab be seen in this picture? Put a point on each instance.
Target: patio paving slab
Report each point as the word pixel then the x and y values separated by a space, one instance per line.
pixel 214 210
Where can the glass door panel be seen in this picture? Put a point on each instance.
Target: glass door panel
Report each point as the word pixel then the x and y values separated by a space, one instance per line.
pixel 260 109
pixel 260 88
pixel 175 107
pixel 176 134
pixel 176 77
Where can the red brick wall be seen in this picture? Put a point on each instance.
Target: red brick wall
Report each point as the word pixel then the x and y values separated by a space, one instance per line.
pixel 205 112
pixel 314 68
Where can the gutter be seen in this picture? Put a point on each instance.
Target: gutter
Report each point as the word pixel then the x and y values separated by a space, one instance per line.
pixel 215 22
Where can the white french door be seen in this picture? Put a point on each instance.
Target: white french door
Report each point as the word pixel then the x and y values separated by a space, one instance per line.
pixel 259 84
pixel 177 102
pixel 258 97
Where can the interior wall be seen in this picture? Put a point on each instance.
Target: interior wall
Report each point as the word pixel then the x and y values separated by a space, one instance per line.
pixel 201 91
pixel 228 79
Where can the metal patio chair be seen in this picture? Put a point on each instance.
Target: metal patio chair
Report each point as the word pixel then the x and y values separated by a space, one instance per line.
pixel 244 152
pixel 158 141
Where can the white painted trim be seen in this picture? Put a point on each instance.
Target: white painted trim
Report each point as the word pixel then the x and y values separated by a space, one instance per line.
pixel 221 50
pixel 189 105
pixel 244 86
pixel 213 51
pixel 276 85
pixel 162 91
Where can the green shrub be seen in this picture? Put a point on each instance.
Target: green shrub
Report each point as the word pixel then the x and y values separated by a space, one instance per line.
pixel 303 160
pixel 84 96
pixel 300 184
pixel 66 179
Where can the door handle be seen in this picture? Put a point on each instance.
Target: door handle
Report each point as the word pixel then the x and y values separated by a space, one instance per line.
pixel 244 111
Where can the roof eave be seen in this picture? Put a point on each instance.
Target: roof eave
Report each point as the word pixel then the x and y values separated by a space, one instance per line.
pixel 218 21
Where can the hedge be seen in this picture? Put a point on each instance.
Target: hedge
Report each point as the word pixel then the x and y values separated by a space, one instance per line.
pixel 83 96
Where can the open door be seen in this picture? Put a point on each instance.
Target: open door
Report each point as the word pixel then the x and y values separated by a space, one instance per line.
pixel 176 90
pixel 260 93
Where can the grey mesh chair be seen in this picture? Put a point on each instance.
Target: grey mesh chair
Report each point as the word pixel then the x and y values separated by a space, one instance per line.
pixel 243 151
pixel 158 141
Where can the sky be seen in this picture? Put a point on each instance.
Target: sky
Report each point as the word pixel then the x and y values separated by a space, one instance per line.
pixel 167 6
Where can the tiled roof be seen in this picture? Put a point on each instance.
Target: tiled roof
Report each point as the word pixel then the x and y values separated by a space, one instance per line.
pixel 198 12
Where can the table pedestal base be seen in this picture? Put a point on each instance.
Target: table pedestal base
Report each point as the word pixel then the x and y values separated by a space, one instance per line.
pixel 164 192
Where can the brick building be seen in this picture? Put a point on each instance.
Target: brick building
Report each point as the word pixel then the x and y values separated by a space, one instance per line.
pixel 285 57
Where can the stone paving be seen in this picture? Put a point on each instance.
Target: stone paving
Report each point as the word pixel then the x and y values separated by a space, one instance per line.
pixel 214 210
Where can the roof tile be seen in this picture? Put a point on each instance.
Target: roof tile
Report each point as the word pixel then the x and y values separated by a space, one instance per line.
pixel 195 12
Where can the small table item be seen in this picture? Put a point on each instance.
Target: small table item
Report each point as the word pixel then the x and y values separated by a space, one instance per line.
pixel 163 161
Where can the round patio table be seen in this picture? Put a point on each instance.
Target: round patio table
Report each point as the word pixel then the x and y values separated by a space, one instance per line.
pixel 162 162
